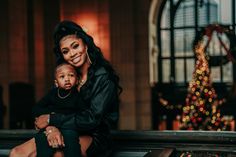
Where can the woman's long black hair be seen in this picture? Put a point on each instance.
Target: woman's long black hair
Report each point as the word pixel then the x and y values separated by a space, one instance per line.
pixel 65 28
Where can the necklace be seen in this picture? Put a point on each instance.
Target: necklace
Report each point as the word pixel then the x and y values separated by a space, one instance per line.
pixel 81 83
pixel 62 97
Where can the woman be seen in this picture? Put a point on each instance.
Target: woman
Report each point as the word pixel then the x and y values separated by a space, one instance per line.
pixel 99 87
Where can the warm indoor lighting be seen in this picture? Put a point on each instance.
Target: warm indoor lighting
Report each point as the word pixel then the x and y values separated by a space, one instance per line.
pixel 98 28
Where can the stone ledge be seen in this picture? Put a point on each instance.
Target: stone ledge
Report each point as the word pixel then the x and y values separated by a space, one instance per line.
pixel 128 143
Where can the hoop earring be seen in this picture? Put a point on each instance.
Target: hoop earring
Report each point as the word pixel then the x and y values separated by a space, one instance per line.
pixel 88 56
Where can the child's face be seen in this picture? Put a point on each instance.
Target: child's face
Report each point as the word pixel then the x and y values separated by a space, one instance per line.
pixel 66 77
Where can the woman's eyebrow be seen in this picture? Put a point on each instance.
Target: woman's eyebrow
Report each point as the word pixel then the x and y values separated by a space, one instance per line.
pixel 64 48
pixel 75 42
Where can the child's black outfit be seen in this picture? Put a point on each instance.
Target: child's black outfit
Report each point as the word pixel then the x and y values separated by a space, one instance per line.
pixel 61 102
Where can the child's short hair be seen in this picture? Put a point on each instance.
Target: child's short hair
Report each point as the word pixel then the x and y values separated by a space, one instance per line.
pixel 63 64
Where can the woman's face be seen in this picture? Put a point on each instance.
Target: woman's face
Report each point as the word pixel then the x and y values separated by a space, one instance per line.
pixel 73 50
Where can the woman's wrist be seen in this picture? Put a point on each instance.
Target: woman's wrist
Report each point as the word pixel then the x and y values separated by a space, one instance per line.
pixel 49 129
pixel 48 120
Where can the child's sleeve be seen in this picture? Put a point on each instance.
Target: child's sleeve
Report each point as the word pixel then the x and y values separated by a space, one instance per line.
pixel 42 106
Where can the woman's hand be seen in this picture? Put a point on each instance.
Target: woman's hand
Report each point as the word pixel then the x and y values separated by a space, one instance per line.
pixel 54 136
pixel 41 121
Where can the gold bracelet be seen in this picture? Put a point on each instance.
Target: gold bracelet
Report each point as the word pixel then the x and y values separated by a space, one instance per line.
pixel 48 132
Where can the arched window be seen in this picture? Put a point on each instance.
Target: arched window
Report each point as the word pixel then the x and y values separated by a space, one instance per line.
pixel 178 23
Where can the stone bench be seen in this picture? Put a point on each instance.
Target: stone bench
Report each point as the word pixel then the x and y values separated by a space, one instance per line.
pixel 130 143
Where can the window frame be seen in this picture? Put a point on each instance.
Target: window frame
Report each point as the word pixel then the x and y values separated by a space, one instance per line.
pixel 171 30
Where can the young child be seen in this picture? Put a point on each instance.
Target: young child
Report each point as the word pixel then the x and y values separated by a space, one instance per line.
pixel 63 99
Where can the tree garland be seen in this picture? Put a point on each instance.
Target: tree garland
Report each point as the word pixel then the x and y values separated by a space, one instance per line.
pixel 219 29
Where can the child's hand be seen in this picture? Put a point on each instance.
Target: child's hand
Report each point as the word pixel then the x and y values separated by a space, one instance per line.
pixel 41 121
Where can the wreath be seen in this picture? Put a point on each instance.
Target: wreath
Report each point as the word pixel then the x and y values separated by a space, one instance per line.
pixel 220 30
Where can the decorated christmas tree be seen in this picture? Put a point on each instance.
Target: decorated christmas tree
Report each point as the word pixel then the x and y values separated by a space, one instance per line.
pixel 201 110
